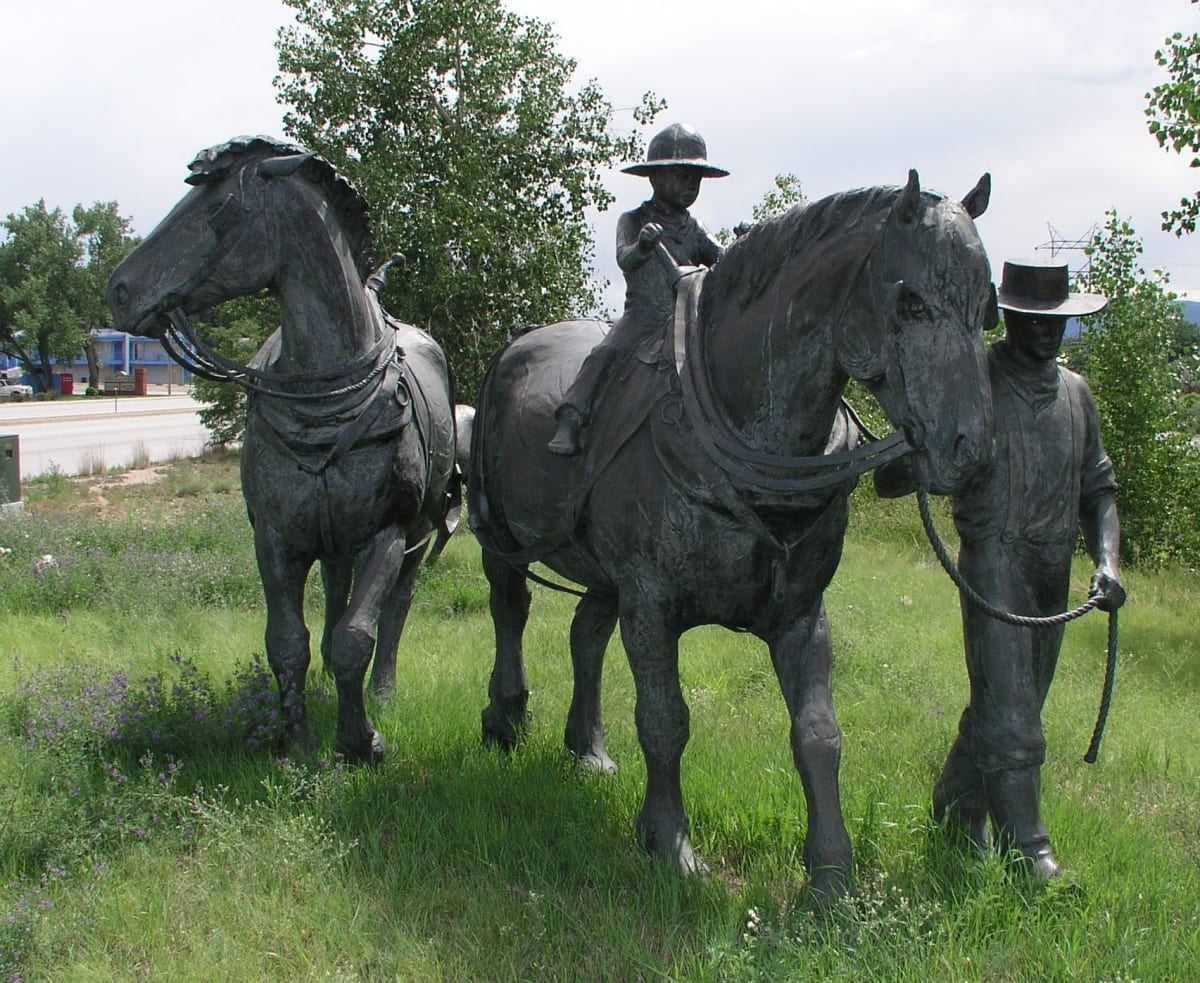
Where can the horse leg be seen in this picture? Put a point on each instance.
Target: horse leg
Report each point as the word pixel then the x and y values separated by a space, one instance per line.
pixel 803 660
pixel 354 644
pixel 662 716
pixel 506 715
pixel 592 627
pixel 391 626
pixel 283 579
pixel 336 576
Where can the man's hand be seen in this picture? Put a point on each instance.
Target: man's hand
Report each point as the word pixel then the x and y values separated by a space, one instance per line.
pixel 1106 587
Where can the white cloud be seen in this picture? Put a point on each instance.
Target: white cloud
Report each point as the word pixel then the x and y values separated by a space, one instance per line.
pixel 109 101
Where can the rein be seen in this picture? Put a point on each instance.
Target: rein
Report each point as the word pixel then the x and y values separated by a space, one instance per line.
pixel 752 469
pixel 1027 621
pixel 184 344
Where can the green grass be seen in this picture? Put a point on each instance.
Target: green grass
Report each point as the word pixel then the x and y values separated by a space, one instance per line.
pixel 168 846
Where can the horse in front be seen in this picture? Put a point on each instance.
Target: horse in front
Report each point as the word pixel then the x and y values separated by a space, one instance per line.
pixel 713 489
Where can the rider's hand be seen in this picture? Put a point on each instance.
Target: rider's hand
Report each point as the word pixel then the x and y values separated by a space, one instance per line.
pixel 1106 587
pixel 650 234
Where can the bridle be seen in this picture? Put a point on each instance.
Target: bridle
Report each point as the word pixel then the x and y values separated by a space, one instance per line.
pixel 183 343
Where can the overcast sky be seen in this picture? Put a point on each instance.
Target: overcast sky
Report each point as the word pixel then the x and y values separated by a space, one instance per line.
pixel 109 101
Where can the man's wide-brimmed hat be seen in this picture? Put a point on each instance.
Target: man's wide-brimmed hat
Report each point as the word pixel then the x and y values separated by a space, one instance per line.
pixel 1033 286
pixel 676 146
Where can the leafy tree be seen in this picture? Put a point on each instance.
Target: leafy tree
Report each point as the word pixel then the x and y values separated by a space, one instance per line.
pixel 104 236
pixel 786 193
pixel 53 272
pixel 456 122
pixel 1125 353
pixel 1174 112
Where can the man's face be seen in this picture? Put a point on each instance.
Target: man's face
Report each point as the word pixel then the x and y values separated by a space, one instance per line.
pixel 1036 336
pixel 677 185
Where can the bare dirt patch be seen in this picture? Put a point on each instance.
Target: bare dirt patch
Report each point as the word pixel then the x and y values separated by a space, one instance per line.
pixel 135 476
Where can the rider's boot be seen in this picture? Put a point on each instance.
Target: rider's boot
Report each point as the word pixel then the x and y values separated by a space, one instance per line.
pixel 565 442
pixel 1015 796
pixel 959 799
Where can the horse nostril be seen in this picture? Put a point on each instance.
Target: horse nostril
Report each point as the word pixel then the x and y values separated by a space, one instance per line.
pixel 120 294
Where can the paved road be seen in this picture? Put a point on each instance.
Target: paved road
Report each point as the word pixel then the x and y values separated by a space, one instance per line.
pixel 78 436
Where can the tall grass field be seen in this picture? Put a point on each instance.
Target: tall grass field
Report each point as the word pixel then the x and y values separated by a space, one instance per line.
pixel 153 828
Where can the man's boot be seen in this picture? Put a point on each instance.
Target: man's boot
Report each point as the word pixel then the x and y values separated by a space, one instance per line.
pixel 959 799
pixel 1015 799
pixel 565 442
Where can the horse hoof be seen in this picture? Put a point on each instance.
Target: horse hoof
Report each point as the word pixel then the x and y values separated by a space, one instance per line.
pixel 1039 865
pixel 383 692
pixel 600 764
pixel 369 752
pixel 678 853
pixel 827 886
pixel 502 729
pixel 302 738
pixel 587 745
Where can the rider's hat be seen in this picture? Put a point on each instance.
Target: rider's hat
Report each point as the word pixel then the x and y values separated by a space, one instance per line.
pixel 1035 286
pixel 677 146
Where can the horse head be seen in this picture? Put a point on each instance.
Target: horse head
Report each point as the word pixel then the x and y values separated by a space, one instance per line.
pixel 225 237
pixel 932 295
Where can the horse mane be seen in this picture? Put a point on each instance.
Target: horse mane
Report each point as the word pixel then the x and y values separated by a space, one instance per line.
pixel 343 197
pixel 806 228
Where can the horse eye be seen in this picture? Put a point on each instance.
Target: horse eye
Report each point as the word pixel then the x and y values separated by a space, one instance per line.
pixel 912 305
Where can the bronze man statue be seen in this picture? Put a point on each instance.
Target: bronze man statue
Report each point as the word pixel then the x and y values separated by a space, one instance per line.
pixel 1018 527
pixel 676 162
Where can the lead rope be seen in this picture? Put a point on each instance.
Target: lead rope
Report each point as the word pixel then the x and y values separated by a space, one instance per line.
pixel 1026 621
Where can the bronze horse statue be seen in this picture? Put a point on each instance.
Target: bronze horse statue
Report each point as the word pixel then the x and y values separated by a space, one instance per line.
pixel 726 502
pixel 349 448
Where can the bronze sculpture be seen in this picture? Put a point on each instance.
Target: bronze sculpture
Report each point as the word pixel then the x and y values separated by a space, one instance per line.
pixel 676 162
pixel 714 491
pixel 349 447
pixel 1018 526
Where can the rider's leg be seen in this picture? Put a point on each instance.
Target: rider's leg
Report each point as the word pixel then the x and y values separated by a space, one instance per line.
pixel 576 408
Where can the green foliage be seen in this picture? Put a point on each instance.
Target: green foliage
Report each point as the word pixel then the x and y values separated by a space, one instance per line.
pixel 457 124
pixel 53 272
pixel 786 193
pixel 1174 112
pixel 1127 352
pixel 236 329
pixel 146 833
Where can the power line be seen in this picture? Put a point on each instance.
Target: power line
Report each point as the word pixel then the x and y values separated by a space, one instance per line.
pixel 1058 243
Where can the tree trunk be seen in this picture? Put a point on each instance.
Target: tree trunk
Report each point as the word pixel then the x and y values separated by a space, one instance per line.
pixel 43 371
pixel 93 361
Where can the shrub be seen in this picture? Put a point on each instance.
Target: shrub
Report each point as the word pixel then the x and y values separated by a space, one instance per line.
pixel 1136 374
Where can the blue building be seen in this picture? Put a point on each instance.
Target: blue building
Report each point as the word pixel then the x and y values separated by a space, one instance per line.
pixel 120 354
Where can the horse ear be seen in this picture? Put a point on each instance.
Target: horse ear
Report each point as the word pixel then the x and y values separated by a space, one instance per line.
pixel 284 166
pixel 908 205
pixel 977 198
